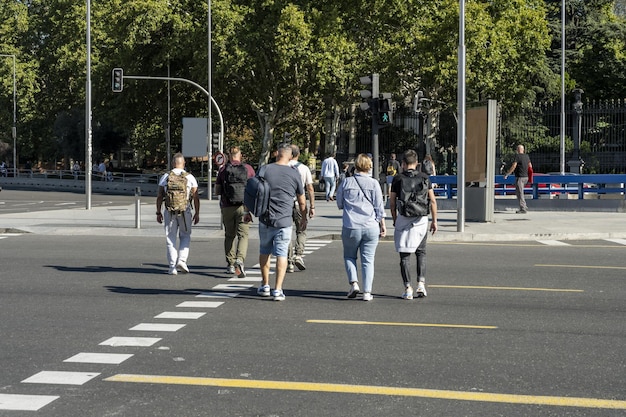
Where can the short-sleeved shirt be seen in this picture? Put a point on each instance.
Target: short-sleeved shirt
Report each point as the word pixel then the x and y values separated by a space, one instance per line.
pixel 523 161
pixel 191 181
pixel 285 184
pixel 221 178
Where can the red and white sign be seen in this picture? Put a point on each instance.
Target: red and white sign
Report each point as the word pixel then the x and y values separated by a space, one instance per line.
pixel 219 158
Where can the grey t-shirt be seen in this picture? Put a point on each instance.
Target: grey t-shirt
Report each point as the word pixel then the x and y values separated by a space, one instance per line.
pixel 285 183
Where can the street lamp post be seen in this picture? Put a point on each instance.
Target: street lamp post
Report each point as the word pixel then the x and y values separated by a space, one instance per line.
pixel 14 130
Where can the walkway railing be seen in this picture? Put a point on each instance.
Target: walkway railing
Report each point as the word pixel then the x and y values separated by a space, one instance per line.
pixel 544 184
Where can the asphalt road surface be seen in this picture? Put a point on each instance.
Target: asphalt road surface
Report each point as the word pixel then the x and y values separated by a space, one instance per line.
pixel 19 201
pixel 92 326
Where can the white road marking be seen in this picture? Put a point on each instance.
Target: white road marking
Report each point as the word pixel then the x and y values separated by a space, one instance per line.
pixel 217 295
pixel 130 341
pixel 553 243
pixel 179 315
pixel 61 377
pixel 233 287
pixel 618 241
pixel 17 402
pixel 319 241
pixel 157 327
pixel 107 358
pixel 247 278
pixel 200 304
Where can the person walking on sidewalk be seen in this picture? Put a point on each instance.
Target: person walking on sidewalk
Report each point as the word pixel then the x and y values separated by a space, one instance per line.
pixel 177 189
pixel 411 199
pixel 330 173
pixel 521 167
pixel 363 217
pixel 230 185
pixel 297 251
pixel 285 185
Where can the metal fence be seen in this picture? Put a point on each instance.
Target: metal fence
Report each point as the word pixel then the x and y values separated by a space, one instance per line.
pixel 595 136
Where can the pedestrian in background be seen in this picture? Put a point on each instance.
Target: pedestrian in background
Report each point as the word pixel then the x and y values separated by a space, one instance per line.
pixel 363 218
pixel 330 173
pixel 76 169
pixel 520 167
pixel 393 169
pixel 410 201
pixel 296 252
pixel 275 232
pixel 178 223
pixel 230 185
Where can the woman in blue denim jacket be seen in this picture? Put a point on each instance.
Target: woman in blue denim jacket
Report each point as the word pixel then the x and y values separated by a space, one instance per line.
pixel 361 199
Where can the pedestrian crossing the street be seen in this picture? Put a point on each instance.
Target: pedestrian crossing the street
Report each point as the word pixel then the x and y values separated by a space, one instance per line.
pixel 202 301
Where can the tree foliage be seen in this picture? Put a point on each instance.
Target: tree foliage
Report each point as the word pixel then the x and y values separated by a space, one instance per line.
pixel 281 68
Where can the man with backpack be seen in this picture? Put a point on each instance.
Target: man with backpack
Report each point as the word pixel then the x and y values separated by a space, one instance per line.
pixel 230 185
pixel 275 221
pixel 410 201
pixel 176 190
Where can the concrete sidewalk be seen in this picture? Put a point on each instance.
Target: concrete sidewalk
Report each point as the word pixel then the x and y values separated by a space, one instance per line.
pixel 507 225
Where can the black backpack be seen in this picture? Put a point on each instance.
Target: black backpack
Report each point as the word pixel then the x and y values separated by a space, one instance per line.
pixel 235 182
pixel 413 198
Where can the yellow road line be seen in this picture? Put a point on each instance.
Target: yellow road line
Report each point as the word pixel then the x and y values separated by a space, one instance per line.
pixel 581 266
pixel 479 287
pixel 373 390
pixel 382 323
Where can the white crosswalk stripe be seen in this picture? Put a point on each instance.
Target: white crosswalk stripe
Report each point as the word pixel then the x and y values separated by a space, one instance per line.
pixel 18 402
pixel 553 243
pixel 61 377
pixel 94 357
pixel 618 241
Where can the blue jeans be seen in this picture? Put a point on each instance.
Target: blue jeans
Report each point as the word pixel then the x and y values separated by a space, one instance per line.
pixel 330 187
pixel 364 241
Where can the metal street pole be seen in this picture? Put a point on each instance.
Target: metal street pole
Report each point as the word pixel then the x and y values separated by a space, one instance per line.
pixel 88 164
pixel 460 163
pixel 209 139
pixel 562 87
pixel 14 130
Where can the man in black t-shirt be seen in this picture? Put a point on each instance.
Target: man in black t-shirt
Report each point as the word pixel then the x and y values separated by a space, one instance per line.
pixel 520 166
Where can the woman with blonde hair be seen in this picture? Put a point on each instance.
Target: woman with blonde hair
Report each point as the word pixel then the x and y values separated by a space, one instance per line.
pixel 361 199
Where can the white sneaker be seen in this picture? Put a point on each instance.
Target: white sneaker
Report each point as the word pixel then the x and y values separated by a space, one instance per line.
pixel 172 271
pixel 354 291
pixel 367 296
pixel 264 291
pixel 408 293
pixel 278 295
pixel 182 267
pixel 420 292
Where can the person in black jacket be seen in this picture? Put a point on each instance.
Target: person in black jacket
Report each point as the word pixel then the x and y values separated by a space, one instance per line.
pixel 520 166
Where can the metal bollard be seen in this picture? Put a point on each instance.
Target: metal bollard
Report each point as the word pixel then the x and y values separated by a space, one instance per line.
pixel 137 207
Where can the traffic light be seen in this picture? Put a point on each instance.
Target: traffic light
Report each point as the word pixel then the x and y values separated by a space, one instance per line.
pixel 369 94
pixel 384 112
pixel 118 80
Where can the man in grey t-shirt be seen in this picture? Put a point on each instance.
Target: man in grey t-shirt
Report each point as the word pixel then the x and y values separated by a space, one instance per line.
pixel 285 185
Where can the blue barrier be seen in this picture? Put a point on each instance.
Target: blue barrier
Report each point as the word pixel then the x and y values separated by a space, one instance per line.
pixel 545 184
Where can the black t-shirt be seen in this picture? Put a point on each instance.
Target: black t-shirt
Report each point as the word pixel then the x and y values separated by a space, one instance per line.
pixel 521 170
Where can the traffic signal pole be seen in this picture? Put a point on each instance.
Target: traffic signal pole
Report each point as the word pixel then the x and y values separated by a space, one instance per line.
pixel 212 100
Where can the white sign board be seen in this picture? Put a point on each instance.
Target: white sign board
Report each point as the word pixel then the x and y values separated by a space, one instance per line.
pixel 195 136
